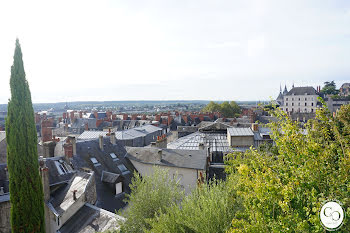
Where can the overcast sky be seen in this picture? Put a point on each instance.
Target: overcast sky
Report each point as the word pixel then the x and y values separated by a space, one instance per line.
pixel 169 50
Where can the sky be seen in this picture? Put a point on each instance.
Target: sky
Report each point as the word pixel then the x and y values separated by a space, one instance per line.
pixel 84 50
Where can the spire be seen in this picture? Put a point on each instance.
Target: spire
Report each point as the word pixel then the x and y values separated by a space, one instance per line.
pixel 285 91
pixel 280 88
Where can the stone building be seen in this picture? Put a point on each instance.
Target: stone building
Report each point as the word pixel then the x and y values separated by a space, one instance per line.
pixel 300 100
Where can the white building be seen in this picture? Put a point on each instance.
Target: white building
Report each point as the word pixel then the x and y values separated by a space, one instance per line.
pixel 300 100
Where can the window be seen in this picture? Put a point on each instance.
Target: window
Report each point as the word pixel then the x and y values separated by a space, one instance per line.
pixel 118 188
pixel 292 104
pixel 113 155
pixel 305 104
pixel 292 99
pixel 286 109
pixel 312 104
pixel 63 167
pixel 298 104
pixel 123 169
pixel 305 98
pixel 299 99
pixel 305 110
pixel 286 104
pixel 93 160
pixel 287 99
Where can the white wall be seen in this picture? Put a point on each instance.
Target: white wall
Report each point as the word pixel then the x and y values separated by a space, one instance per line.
pixel 189 176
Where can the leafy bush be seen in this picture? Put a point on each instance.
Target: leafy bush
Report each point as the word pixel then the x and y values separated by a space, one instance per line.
pixel 149 195
pixel 284 191
pixel 209 208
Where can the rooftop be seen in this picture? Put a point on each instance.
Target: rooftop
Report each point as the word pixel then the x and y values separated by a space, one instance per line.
pixel 64 198
pixel 216 142
pixel 91 219
pixel 240 131
pixel 194 159
pixel 302 91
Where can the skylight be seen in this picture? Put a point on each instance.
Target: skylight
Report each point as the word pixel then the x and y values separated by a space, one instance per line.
pixel 94 160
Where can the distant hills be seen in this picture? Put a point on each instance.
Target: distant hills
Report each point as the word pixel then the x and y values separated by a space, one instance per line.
pixel 113 104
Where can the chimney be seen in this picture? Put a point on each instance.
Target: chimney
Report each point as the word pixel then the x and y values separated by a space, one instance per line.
pixel 96 114
pixel 49 149
pixel 255 127
pixel 74 194
pixel 159 155
pixel 44 173
pixel 71 115
pixel 46 130
pixel 201 146
pixel 80 114
pixel 209 157
pixel 73 141
pixel 113 138
pixel 86 126
pixel 100 142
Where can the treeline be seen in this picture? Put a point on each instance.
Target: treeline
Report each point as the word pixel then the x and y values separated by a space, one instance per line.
pixel 227 109
pixel 276 190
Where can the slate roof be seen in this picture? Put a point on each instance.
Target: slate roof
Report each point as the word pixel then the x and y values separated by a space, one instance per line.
pixel 63 198
pixel 91 219
pixel 302 91
pixel 109 177
pixel 86 150
pixel 122 135
pixel 88 135
pixel 193 159
pixel 55 177
pixel 100 115
pixel 216 142
pixel 240 131
pixel 214 126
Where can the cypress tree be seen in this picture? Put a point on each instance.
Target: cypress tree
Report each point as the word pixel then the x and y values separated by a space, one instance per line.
pixel 26 193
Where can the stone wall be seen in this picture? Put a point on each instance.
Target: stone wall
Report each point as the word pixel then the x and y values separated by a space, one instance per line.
pixel 5 226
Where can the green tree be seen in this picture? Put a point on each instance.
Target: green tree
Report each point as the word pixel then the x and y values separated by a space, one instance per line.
pixel 283 191
pixel 236 109
pixel 26 193
pixel 212 107
pixel 330 88
pixel 209 208
pixel 149 196
pixel 225 108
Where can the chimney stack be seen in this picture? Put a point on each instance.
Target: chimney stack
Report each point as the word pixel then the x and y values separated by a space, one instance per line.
pixel 49 149
pixel 201 146
pixel 159 157
pixel 44 173
pixel 100 142
pixel 73 141
pixel 75 194
pixel 113 138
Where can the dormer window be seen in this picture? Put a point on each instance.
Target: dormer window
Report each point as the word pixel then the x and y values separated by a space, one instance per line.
pixel 62 167
pixel 114 157
pixel 95 162
pixel 123 169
